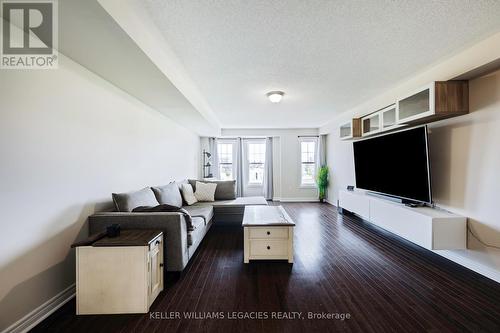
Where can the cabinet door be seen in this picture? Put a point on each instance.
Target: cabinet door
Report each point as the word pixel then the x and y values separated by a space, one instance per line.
pixel 155 272
pixel 111 279
pixel 388 117
pixel 346 130
pixel 417 105
pixel 371 124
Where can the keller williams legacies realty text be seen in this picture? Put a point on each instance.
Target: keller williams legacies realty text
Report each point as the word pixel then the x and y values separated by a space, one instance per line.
pixel 258 315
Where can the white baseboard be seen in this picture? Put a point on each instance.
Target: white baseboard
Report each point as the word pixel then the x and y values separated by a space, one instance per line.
pixel 305 199
pixel 36 316
pixel 470 264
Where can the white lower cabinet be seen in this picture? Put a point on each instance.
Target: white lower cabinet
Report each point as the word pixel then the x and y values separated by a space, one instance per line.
pixel 355 203
pixel 431 228
pixel 404 222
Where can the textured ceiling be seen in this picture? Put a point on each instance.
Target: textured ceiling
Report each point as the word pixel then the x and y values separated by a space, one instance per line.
pixel 326 55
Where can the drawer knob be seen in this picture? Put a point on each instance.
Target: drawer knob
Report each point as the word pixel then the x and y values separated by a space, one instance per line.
pixel 161 264
pixel 268 247
pixel 268 232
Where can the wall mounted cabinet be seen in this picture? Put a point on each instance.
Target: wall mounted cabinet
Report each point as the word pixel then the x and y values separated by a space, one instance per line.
pixel 389 117
pixel 371 124
pixel 351 129
pixel 382 120
pixel 436 101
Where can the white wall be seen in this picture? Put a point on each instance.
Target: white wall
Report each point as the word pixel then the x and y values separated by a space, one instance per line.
pixel 286 160
pixel 465 166
pixel 464 154
pixel 67 140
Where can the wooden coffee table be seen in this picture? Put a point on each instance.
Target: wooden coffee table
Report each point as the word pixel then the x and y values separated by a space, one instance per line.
pixel 268 234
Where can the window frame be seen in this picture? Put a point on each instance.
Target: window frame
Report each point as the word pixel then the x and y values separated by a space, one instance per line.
pixel 233 157
pixel 313 139
pixel 247 143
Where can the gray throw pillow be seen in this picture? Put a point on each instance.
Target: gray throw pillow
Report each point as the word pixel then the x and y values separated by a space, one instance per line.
pixel 168 195
pixel 126 202
pixel 226 189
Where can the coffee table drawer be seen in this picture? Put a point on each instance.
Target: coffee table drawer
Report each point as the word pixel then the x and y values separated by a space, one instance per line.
pixel 268 247
pixel 268 232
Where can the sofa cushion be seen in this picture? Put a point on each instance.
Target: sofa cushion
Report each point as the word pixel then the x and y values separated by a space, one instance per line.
pixel 206 212
pixel 235 208
pixel 168 194
pixel 126 202
pixel 226 189
pixel 198 223
pixel 238 202
pixel 196 236
pixel 241 201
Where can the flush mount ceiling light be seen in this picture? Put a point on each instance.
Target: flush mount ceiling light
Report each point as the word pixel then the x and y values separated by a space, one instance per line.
pixel 275 96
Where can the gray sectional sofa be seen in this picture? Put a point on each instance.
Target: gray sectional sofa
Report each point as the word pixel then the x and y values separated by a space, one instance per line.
pixel 180 243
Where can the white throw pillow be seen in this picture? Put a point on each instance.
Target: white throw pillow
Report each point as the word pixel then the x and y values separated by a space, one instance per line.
pixel 187 194
pixel 205 191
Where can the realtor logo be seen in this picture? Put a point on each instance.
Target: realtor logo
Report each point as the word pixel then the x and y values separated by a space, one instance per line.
pixel 29 34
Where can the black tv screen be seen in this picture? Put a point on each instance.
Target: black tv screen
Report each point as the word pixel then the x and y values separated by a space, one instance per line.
pixel 396 164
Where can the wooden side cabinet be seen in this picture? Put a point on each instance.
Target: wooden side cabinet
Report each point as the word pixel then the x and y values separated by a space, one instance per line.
pixel 122 274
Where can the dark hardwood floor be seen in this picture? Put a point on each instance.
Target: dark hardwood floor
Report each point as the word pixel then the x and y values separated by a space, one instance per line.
pixel 342 265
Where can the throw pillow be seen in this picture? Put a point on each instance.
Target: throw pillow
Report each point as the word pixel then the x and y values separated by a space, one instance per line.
pixel 226 189
pixel 168 194
pixel 125 202
pixel 205 191
pixel 188 195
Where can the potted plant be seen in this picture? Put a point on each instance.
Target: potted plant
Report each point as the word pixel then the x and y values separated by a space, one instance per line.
pixel 322 182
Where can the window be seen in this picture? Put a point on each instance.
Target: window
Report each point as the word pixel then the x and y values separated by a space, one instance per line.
pixel 256 160
pixel 307 161
pixel 225 152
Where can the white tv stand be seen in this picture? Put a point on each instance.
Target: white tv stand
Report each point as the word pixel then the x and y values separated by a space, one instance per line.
pixel 431 228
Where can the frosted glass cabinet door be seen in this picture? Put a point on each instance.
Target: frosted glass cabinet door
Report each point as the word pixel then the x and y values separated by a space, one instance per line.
pixel 351 129
pixel 346 130
pixel 388 117
pixel 415 106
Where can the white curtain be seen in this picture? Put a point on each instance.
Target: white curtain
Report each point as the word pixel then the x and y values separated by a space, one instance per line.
pixel 321 152
pixel 214 159
pixel 240 181
pixel 268 170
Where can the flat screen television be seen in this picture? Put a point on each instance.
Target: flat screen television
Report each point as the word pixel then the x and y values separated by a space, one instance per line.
pixel 395 164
